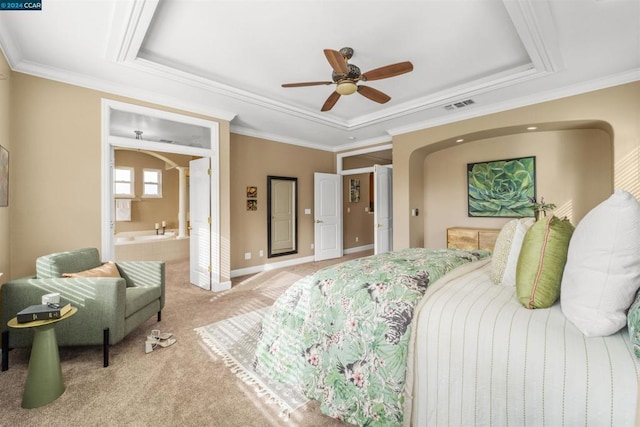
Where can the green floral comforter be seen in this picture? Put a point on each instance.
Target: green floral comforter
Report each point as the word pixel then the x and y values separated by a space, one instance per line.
pixel 342 333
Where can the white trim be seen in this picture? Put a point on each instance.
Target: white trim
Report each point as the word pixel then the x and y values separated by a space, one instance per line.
pixel 524 101
pixel 296 261
pixel 535 26
pixel 358 249
pixel 239 130
pixel 271 266
pixel 341 156
pixel 108 144
pixel 124 43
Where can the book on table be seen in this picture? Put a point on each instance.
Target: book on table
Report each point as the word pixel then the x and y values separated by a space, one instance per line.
pixel 43 312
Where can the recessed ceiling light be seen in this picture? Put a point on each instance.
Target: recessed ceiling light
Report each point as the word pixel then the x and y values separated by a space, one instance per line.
pixel 532 128
pixel 460 140
pixel 351 138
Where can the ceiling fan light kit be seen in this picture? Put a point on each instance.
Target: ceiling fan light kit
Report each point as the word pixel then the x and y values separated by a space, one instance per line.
pixel 345 76
pixel 346 88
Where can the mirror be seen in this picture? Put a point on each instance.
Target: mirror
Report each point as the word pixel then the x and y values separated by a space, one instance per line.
pixel 282 219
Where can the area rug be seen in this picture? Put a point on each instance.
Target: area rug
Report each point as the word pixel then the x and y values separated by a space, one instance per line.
pixel 234 340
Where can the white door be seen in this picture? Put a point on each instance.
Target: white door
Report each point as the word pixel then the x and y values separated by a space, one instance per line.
pixel 382 209
pixel 328 216
pixel 200 222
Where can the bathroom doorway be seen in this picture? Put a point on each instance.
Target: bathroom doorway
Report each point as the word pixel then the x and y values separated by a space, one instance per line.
pixel 128 126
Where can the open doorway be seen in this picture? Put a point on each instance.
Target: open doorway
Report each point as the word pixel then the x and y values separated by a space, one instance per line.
pixel 131 127
pixel 149 193
pixel 360 220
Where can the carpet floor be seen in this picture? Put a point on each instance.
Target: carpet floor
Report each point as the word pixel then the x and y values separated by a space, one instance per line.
pixel 185 384
pixel 235 340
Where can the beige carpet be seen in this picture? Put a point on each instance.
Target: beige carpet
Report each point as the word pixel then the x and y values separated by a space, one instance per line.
pixel 182 385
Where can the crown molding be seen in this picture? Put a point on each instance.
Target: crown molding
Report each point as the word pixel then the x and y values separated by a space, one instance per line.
pixel 386 139
pixel 535 26
pixel 125 42
pixel 277 138
pixel 285 140
pixel 81 80
pixel 550 95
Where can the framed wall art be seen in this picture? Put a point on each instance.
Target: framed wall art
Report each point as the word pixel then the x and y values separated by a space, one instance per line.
pixel 252 192
pixel 4 177
pixel 354 190
pixel 501 188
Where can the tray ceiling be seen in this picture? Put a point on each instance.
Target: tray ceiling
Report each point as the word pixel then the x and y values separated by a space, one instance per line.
pixel 228 59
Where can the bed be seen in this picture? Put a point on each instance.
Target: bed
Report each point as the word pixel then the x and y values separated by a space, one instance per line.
pixel 478 357
pixel 426 337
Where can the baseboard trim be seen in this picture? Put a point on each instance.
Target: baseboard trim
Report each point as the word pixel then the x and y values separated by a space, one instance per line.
pixel 272 266
pixel 221 286
pixel 358 249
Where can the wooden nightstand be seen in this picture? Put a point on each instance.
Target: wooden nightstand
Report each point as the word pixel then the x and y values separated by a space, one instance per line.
pixel 472 238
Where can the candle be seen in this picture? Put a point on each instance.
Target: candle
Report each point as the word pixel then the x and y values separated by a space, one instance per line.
pixel 164 224
pixel 157 225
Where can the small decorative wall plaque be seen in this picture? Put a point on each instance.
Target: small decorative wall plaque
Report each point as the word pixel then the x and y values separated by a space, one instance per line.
pixel 252 192
pixel 252 205
pixel 354 190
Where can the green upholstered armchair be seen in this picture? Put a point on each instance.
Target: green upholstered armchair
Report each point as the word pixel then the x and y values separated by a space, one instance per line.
pixel 108 307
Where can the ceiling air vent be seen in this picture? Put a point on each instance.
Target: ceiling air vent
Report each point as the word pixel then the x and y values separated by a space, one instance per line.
pixel 459 104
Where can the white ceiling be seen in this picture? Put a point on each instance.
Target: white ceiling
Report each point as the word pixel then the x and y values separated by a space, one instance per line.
pixel 228 58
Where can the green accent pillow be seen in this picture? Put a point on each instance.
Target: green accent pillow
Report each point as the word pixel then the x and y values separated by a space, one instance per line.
pixel 541 262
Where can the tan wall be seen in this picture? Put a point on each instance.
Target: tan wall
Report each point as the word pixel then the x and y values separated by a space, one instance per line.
pixel 252 160
pixel 146 212
pixel 616 110
pixel 357 221
pixel 56 161
pixel 574 170
pixel 5 141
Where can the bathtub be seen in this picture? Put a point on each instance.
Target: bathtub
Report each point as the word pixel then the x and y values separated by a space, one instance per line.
pixel 149 246
pixel 134 237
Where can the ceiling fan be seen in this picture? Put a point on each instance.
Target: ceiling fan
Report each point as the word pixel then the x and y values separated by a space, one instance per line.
pixel 345 76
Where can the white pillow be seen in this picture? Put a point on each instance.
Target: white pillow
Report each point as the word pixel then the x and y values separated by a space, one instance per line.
pixel 501 251
pixel 507 247
pixel 509 277
pixel 602 273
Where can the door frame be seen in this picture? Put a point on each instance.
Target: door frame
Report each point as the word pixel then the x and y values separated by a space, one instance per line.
pixel 346 172
pixel 109 143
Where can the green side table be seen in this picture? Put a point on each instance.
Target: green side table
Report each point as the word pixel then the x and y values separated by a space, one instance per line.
pixel 44 378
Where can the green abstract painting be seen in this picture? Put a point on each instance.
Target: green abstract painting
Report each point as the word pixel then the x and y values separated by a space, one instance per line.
pixel 502 188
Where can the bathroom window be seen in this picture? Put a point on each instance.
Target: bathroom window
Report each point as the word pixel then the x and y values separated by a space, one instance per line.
pixel 123 180
pixel 152 183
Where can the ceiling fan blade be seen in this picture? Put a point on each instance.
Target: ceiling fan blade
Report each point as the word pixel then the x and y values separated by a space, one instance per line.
pixel 373 94
pixel 337 62
pixel 305 84
pixel 388 71
pixel 330 102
